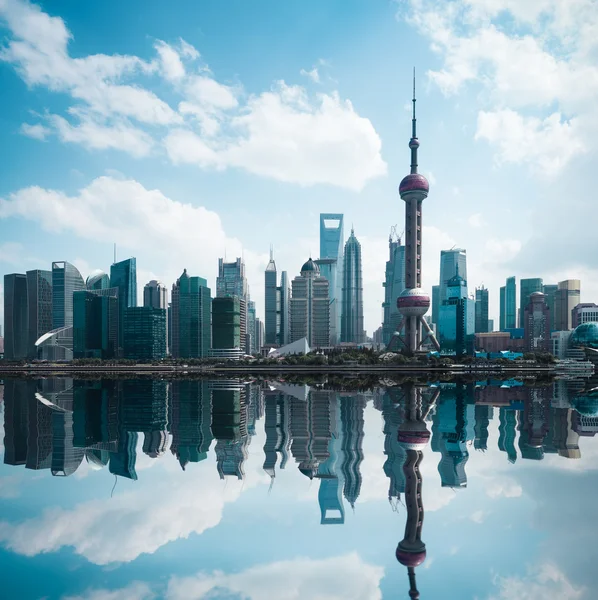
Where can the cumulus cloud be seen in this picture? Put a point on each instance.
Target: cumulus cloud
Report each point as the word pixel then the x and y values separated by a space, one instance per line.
pixel 343 577
pixel 141 221
pixel 313 74
pixel 134 591
pixel 544 58
pixel 282 133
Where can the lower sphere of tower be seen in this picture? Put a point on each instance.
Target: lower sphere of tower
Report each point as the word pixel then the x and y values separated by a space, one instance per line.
pixel 413 302
pixel 414 182
pixel 410 559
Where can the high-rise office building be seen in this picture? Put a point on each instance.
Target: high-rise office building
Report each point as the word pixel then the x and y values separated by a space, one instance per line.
pixel 503 307
pixel 191 317
pixel 566 298
pixel 481 310
pixel 509 316
pixel 456 323
pixel 536 322
pixel 95 324
pixel 413 303
pixel 271 315
pixel 231 281
pixel 226 326
pixel 98 280
pixel 251 316
pixel 527 287
pixel 16 321
pixel 145 333
pixel 123 276
pixel 436 302
pixel 66 280
pixel 549 291
pixel 310 307
pixel 452 261
pixel 155 295
pixel 394 284
pixel 584 313
pixel 331 247
pixel 259 334
pixel 284 309
pixel 39 302
pixel 352 298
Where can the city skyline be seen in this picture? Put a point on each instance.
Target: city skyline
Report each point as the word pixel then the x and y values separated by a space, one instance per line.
pixel 94 195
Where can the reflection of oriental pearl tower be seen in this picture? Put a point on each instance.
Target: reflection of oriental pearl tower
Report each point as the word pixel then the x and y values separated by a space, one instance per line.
pixel 413 436
pixel 413 303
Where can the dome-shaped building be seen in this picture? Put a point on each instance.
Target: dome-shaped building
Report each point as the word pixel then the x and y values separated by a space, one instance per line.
pixel 98 280
pixel 587 404
pixel 310 267
pixel 585 335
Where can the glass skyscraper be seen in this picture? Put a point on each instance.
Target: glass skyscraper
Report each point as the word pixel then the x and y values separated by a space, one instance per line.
pixel 331 247
pixel 123 276
pixel 481 310
pixel 191 317
pixel 352 302
pixel 394 284
pixel 145 333
pixel 527 287
pixel 95 324
pixel 66 280
pixel 226 323
pixel 39 300
pixel 15 316
pixel 457 317
pixel 284 304
pixel 98 280
pixel 272 326
pixel 511 303
pixel 452 262
pixel 566 298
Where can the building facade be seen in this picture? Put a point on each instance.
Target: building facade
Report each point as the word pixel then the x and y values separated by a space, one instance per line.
pixel 98 280
pixel 481 310
pixel 96 324
pixel 352 299
pixel 310 307
pixel 394 284
pixel 226 327
pixel 537 324
pixel 271 311
pixel 191 317
pixel 527 287
pixel 155 295
pixel 584 313
pixel 66 280
pixel 456 324
pixel 123 276
pixel 566 298
pixel 145 333
pixel 452 262
pixel 39 306
pixel 332 240
pixel 16 323
pixel 284 309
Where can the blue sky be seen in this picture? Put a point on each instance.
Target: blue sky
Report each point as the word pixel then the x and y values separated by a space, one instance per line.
pixel 224 127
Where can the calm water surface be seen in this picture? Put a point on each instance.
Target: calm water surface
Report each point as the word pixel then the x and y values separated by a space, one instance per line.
pixel 143 489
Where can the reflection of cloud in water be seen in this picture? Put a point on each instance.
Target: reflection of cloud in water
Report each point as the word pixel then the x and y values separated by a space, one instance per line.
pixel 337 578
pixel 543 582
pixel 134 591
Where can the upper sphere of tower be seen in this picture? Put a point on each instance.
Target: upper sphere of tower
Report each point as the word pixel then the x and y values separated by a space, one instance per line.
pixel 413 143
pixel 414 182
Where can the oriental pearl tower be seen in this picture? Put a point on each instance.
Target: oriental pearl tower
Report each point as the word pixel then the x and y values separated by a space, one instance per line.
pixel 413 303
pixel 414 437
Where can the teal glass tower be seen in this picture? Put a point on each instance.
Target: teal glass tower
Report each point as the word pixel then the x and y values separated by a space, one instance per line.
pixel 39 305
pixel 226 323
pixel 15 316
pixel 272 326
pixel 145 333
pixel 95 324
pixel 191 317
pixel 394 284
pixel 66 280
pixel 352 303
pixel 527 287
pixel 331 247
pixel 123 276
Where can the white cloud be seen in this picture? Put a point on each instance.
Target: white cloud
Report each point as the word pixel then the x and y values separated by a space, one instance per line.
pixel 479 516
pixel 134 591
pixel 525 69
pixel 314 75
pixel 543 582
pixel 37 131
pixel 476 220
pixel 501 251
pixel 343 577
pixel 283 133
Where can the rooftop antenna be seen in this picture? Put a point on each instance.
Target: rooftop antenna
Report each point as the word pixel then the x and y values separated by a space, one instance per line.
pixel 114 252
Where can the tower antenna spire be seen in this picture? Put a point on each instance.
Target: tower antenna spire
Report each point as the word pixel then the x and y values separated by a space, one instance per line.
pixel 413 142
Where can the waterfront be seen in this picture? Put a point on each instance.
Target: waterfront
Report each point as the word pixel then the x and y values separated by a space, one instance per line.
pixel 225 488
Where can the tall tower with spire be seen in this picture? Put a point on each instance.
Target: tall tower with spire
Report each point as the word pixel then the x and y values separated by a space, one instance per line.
pixel 413 303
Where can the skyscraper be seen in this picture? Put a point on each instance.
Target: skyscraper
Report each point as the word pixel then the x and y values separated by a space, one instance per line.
pixel 98 280
pixel 226 326
pixel 436 302
pixel 155 294
pixel 310 307
pixel 394 284
pixel 413 303
pixel 550 291
pixel 231 281
pixel 451 262
pixel 456 322
pixel 191 312
pixel 331 247
pixel 284 309
pixel 123 276
pixel 510 303
pixel 481 310
pixel 39 301
pixel 526 288
pixel 566 299
pixel 271 304
pixel 95 324
pixel 15 316
pixel 536 321
pixel 145 333
pixel 503 308
pixel 251 327
pixel 66 280
pixel 352 302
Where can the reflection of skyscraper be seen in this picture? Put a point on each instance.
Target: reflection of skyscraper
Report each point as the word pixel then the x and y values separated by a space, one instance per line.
pixel 95 415
pixel 310 430
pixel 66 458
pixel 394 451
pixel 190 418
pixel 352 410
pixel 534 423
pixel 277 423
pixel 40 435
pixel 16 419
pixel 414 436
pixel 506 433
pixel 122 462
pixel 483 416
